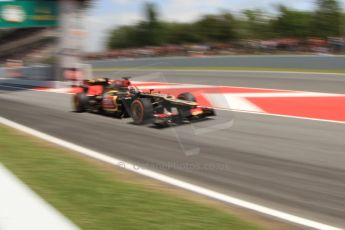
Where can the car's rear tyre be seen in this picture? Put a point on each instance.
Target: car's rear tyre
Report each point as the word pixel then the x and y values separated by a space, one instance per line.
pixel 187 97
pixel 80 102
pixel 142 111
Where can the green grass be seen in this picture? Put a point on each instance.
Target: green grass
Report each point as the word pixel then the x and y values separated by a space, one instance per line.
pixel 96 197
pixel 190 68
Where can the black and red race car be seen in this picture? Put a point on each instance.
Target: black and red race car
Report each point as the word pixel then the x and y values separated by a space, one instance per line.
pixel 121 99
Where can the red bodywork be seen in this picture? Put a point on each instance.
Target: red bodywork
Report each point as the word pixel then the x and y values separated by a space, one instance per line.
pixel 98 89
pixel 94 90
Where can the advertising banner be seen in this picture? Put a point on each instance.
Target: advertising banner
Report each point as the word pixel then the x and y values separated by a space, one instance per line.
pixel 22 14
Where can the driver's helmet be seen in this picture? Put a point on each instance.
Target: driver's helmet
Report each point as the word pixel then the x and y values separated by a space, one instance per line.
pixel 118 84
pixel 133 90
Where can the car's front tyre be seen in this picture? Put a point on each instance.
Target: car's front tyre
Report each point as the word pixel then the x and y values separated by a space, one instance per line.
pixel 142 111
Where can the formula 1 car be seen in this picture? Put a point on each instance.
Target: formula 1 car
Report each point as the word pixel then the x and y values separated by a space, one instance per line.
pixel 121 99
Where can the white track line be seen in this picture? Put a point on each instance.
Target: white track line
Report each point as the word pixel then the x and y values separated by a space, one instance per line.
pixel 249 71
pixel 280 94
pixel 220 71
pixel 286 93
pixel 280 115
pixel 232 102
pixel 61 90
pixel 257 111
pixel 21 208
pixel 174 86
pixel 256 88
pixel 170 180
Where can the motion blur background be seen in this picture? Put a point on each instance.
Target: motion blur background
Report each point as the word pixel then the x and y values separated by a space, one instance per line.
pixel 115 29
pixel 284 143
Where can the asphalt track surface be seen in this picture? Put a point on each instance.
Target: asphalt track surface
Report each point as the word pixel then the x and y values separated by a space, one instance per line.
pixel 269 61
pixel 293 165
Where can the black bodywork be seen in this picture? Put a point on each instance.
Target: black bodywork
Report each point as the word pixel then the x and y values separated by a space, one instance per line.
pixel 121 99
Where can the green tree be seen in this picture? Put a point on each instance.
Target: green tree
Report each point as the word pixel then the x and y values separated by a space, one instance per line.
pixel 217 28
pixel 145 33
pixel 292 23
pixel 86 3
pixel 150 30
pixel 342 29
pixel 180 33
pixel 123 37
pixel 327 19
pixel 255 25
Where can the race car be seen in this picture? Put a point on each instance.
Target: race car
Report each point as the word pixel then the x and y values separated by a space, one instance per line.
pixel 121 99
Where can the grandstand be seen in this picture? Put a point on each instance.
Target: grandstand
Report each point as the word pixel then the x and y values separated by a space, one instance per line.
pixel 27 44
